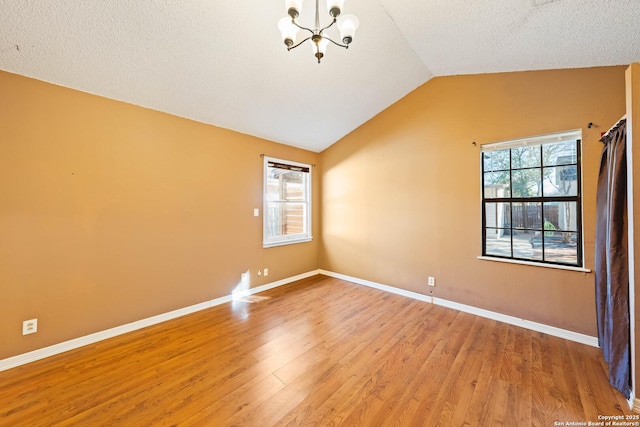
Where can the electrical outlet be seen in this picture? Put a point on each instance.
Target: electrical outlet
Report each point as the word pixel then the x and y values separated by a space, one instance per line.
pixel 266 271
pixel 29 326
pixel 256 212
pixel 259 273
pixel 432 281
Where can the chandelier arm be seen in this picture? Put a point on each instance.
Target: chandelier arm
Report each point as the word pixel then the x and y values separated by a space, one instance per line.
pixel 336 43
pixel 293 47
pixel 328 26
pixel 293 21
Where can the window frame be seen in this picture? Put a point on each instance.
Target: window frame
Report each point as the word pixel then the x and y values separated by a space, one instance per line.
pixel 537 141
pixel 306 236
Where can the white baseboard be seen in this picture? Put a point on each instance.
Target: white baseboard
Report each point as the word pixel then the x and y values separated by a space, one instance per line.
pixel 62 347
pixel 379 286
pixel 527 324
pixel 523 323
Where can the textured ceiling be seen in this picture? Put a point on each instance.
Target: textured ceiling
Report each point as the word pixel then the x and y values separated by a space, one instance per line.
pixel 223 62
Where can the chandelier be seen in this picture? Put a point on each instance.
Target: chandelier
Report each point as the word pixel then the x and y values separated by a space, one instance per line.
pixel 289 27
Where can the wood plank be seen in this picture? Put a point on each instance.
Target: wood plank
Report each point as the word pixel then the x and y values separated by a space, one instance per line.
pixel 320 351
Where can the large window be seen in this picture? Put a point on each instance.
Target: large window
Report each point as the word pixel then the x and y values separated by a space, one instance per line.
pixel 287 202
pixel 531 208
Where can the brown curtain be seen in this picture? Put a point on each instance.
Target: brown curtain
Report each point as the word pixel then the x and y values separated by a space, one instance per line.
pixel 611 266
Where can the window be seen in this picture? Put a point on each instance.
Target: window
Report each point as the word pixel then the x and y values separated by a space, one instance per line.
pixel 531 208
pixel 287 202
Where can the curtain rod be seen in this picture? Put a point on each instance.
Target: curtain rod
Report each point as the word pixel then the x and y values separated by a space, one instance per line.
pixel 614 127
pixel 263 155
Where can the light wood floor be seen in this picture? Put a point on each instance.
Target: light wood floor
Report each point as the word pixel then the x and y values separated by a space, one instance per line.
pixel 317 352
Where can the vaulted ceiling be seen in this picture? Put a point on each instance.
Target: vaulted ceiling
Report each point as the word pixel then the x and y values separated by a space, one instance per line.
pixel 223 62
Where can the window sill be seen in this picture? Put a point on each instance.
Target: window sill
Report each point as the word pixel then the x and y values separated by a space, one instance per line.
pixel 286 242
pixel 535 264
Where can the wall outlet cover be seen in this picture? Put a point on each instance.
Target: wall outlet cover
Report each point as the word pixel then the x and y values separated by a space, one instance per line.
pixel 30 326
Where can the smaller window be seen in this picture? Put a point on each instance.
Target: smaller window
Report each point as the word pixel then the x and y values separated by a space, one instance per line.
pixel 531 205
pixel 287 202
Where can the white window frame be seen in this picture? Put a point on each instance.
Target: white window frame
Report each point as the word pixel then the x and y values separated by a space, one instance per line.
pixel 306 236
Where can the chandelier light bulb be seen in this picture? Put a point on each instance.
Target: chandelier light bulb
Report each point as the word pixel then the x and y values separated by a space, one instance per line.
pixel 335 7
pixel 288 31
pixel 348 24
pixel 293 7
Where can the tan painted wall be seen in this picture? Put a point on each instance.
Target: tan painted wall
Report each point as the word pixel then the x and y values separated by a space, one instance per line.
pixel 401 194
pixel 111 213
